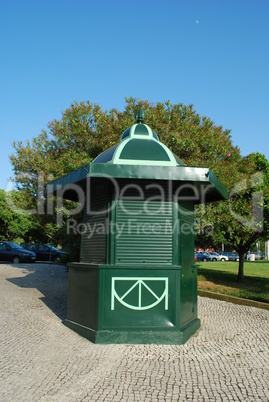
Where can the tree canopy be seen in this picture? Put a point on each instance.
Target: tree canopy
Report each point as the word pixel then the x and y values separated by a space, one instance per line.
pixel 14 225
pixel 244 218
pixel 85 130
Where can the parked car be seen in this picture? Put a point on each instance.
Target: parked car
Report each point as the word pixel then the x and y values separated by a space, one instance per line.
pixel 230 255
pixel 201 256
pixel 209 255
pixel 223 256
pixel 214 256
pixel 12 252
pixel 44 252
pixel 206 253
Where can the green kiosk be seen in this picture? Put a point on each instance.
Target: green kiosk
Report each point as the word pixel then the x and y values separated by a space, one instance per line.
pixel 136 281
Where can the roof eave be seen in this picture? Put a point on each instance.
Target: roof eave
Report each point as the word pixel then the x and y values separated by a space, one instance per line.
pixel 202 178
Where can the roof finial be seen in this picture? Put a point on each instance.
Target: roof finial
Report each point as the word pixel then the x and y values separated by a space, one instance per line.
pixel 140 116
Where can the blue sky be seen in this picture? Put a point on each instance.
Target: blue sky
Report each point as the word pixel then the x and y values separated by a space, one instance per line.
pixel 209 53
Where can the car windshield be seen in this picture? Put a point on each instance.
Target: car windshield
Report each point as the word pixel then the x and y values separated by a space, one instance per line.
pixel 15 246
pixel 52 247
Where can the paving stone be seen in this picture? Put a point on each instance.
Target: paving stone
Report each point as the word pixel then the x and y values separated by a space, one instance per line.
pixel 42 360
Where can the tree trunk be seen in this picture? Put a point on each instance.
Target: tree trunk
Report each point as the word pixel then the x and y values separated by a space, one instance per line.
pixel 240 277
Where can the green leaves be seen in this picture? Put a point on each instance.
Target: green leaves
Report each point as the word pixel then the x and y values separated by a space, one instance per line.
pixel 85 130
pixel 244 218
pixel 14 224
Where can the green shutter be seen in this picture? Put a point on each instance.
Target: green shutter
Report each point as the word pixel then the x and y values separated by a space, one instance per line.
pixel 94 239
pixel 188 275
pixel 143 232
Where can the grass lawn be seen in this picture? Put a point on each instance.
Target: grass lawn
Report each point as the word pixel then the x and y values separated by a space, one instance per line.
pixel 221 277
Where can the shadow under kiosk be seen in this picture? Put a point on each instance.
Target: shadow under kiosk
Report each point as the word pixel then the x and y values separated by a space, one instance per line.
pixel 136 281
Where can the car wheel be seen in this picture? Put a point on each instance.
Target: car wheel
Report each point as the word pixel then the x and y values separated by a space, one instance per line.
pixel 214 259
pixel 222 259
pixel 57 259
pixel 16 260
pixel 204 259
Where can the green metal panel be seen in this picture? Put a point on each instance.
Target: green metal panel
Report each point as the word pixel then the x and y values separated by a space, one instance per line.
pixel 107 155
pixel 112 233
pixel 82 307
pixel 176 235
pixel 188 293
pixel 144 150
pixel 126 304
pixel 138 298
pixel 126 133
pixel 94 235
pixel 141 129
pixel 144 232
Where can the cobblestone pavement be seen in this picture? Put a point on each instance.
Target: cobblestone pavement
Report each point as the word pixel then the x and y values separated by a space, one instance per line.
pixel 42 360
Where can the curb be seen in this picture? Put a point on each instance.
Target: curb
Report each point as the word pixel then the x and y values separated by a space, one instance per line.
pixel 233 299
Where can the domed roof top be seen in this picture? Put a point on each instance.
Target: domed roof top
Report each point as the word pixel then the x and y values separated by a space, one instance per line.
pixel 139 145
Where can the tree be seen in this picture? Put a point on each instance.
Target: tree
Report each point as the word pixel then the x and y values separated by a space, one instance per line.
pixel 244 218
pixel 13 224
pixel 85 130
pixel 204 233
